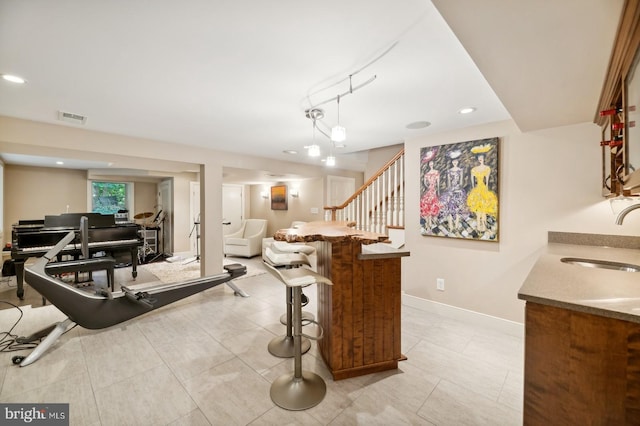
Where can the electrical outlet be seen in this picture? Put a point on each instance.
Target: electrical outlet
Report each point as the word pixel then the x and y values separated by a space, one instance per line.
pixel 440 284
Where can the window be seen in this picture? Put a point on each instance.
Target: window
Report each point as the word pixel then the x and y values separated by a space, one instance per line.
pixel 110 197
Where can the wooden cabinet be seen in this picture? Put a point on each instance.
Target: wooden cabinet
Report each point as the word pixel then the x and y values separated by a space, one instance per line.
pixel 360 312
pixel 580 368
pixel 618 168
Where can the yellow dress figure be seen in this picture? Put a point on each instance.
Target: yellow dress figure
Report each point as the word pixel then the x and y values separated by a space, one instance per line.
pixel 481 200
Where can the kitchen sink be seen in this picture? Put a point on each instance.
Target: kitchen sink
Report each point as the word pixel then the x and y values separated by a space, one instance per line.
pixel 601 264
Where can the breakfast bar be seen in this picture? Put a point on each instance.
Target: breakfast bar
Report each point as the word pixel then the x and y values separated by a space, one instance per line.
pixel 360 312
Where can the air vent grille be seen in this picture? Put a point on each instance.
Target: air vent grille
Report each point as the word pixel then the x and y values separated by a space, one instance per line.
pixel 71 118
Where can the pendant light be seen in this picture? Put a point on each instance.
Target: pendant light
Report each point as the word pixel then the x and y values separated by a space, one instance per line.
pixel 314 148
pixel 331 161
pixel 338 133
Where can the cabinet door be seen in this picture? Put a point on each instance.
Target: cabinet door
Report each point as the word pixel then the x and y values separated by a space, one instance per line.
pixel 580 368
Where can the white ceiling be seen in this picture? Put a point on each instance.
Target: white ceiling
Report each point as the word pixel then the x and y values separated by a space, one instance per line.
pixel 238 75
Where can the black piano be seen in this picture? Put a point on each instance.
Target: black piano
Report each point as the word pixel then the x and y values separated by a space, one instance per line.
pixel 33 238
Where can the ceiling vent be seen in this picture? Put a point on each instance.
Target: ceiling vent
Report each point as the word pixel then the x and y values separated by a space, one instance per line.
pixel 71 118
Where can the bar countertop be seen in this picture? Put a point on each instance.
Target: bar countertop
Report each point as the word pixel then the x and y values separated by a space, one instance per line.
pixel 327 231
pixel 373 244
pixel 604 292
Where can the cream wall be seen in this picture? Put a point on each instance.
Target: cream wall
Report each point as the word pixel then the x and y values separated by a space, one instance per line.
pixel 144 198
pixel 299 209
pixel 69 187
pixel 549 181
pixel 33 192
pixel 378 157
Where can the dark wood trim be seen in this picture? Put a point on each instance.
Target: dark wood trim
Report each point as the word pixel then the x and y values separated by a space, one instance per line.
pixel 625 47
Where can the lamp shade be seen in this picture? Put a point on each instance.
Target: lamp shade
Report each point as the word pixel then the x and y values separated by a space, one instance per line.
pixel 314 150
pixel 338 134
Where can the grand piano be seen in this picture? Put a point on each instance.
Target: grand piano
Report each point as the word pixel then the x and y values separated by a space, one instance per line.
pixel 33 238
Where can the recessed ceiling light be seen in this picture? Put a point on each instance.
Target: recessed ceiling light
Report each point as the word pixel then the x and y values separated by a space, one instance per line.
pixel 466 110
pixel 290 151
pixel 418 125
pixel 59 163
pixel 13 78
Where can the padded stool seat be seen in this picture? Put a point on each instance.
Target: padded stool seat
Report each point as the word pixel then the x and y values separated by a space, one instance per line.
pixel 285 247
pixel 290 259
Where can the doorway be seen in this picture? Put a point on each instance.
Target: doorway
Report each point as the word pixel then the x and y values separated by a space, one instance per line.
pixel 339 189
pixel 165 202
pixel 194 215
pixel 232 208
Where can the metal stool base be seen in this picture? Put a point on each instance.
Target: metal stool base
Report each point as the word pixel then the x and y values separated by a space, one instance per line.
pixel 295 394
pixel 308 316
pixel 282 346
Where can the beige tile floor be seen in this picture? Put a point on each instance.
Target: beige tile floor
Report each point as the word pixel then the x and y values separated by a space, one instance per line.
pixel 204 361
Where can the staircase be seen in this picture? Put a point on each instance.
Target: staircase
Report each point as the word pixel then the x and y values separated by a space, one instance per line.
pixel 378 206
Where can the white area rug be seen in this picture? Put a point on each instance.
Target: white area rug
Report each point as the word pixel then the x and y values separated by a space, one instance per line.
pixel 173 272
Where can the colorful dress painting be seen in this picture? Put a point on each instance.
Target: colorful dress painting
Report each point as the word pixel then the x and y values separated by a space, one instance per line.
pixel 459 195
pixel 429 203
pixel 430 206
pixel 453 201
pixel 482 201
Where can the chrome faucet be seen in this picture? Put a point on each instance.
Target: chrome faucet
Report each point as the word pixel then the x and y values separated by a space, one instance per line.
pixel 624 212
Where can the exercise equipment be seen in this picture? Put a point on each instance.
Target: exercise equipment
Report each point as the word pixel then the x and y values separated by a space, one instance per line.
pixel 97 311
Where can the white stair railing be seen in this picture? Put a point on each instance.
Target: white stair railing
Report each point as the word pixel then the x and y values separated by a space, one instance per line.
pixel 379 204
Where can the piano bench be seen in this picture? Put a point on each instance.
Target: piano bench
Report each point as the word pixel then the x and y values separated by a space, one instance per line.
pixel 84 265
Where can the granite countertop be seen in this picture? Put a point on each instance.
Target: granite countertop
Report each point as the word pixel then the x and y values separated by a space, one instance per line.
pixel 604 292
pixel 381 251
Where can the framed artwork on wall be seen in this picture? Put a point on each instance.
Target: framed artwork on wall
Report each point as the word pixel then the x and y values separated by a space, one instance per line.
pixel 459 190
pixel 279 197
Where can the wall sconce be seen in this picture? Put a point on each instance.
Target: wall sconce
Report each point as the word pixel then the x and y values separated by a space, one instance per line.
pixel 264 194
pixel 295 193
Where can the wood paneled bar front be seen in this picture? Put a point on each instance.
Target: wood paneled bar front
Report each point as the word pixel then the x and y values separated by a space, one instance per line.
pixel 360 312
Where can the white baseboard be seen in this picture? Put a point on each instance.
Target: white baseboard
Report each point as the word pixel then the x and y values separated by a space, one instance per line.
pixel 511 328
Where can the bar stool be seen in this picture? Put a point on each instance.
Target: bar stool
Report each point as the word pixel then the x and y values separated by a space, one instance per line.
pixel 282 346
pixel 301 389
pixel 291 255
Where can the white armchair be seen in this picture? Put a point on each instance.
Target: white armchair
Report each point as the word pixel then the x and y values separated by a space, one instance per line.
pixel 247 241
